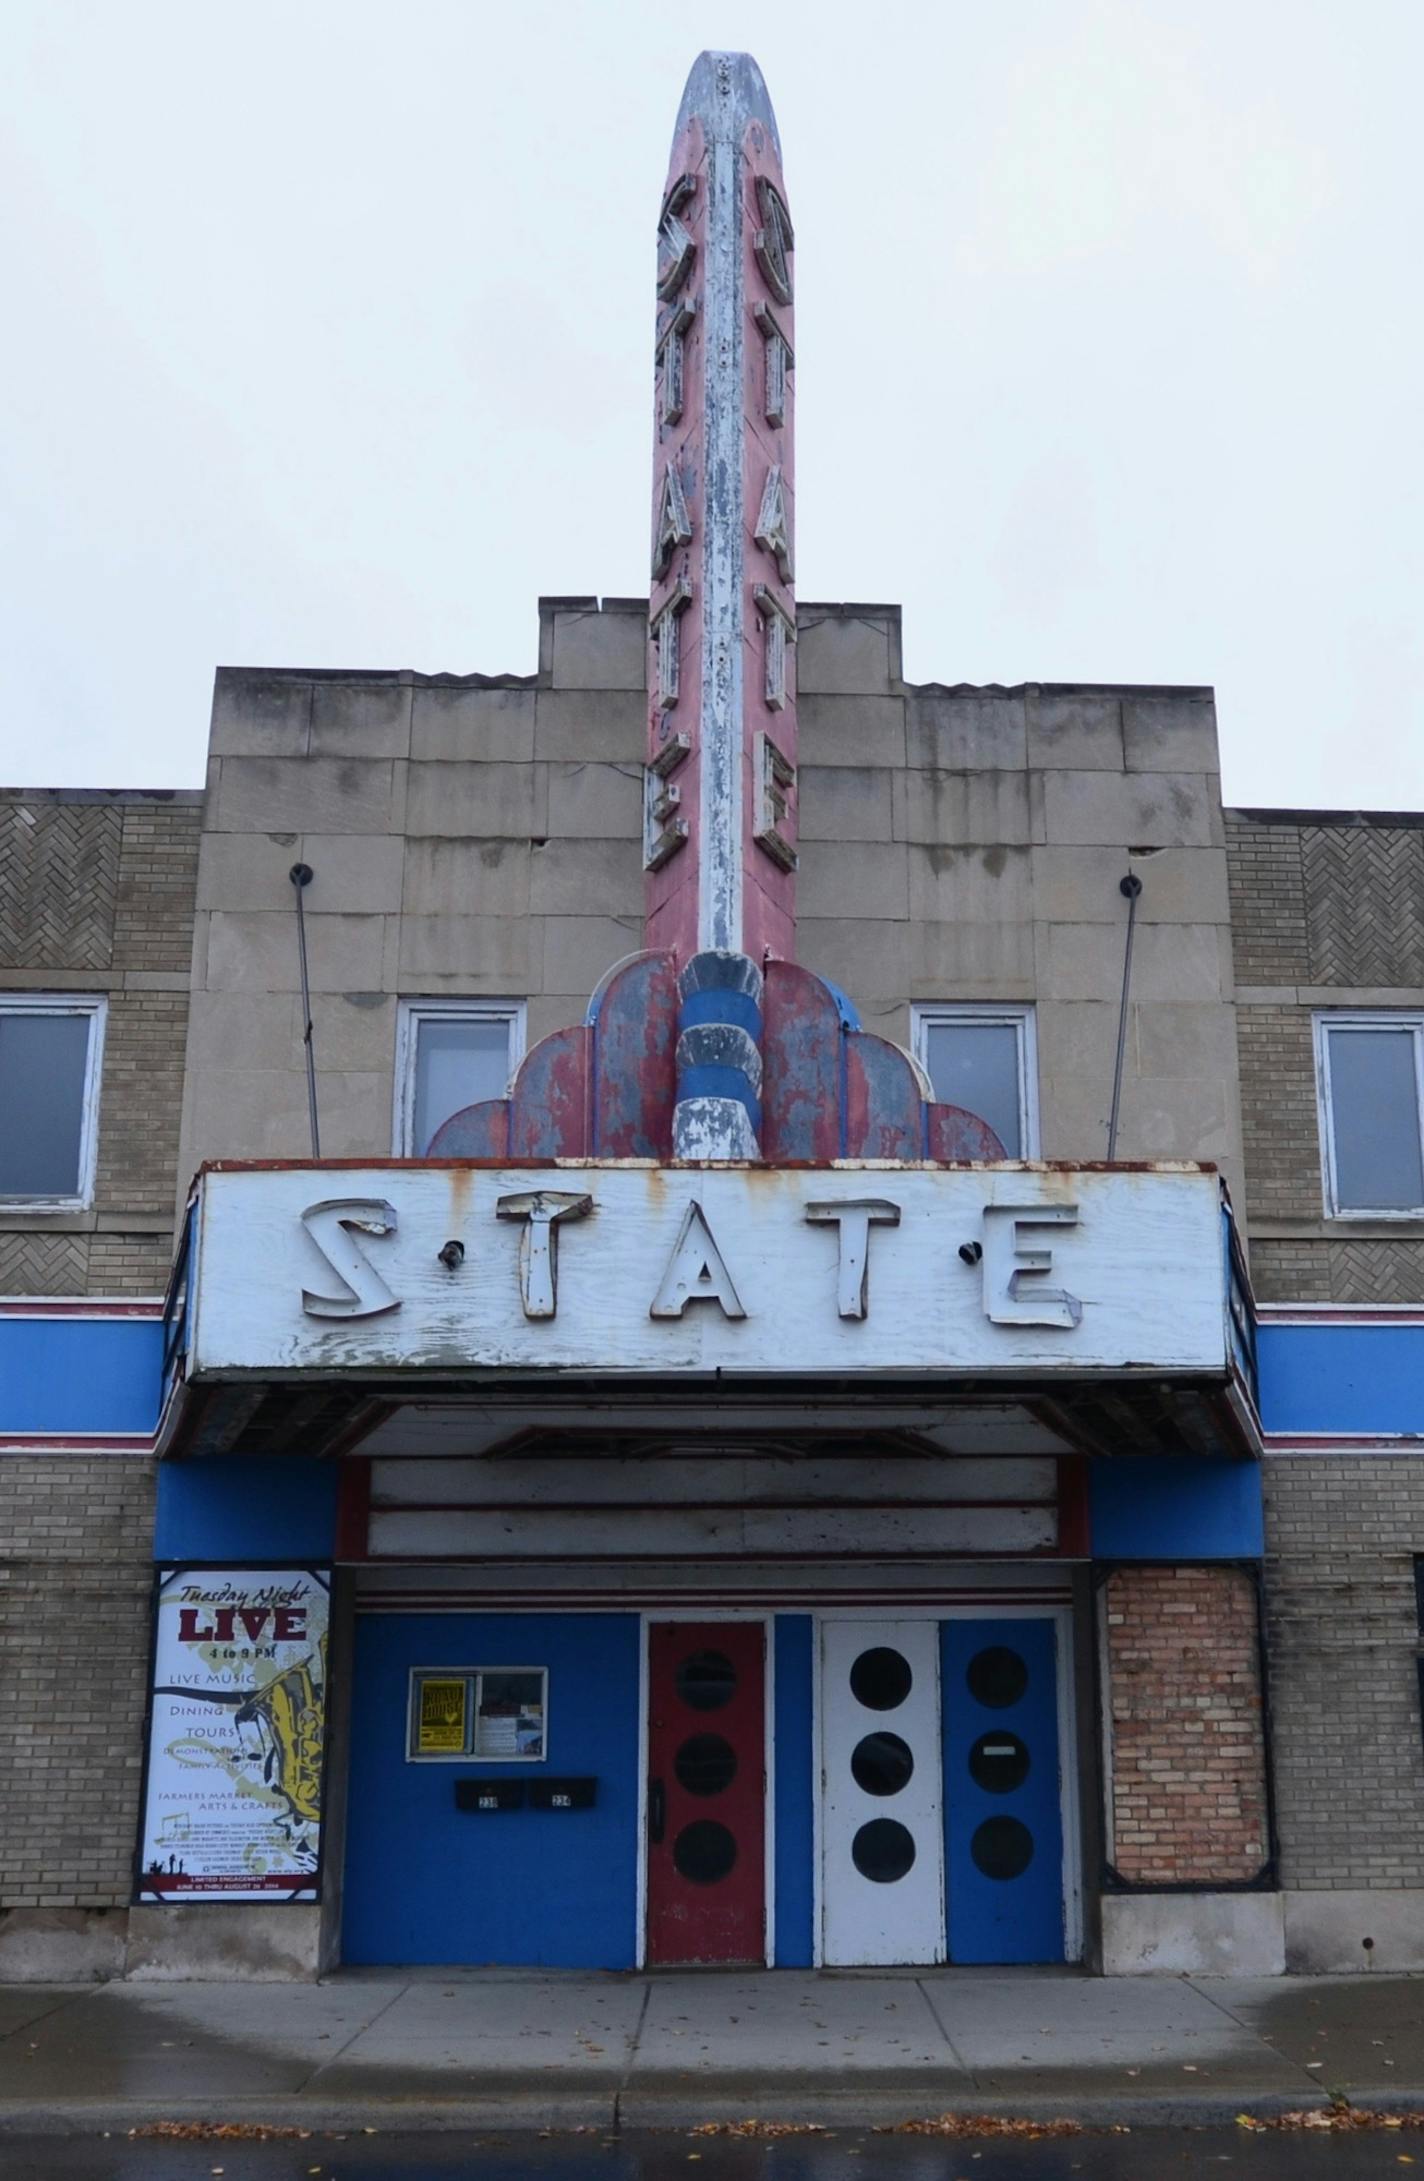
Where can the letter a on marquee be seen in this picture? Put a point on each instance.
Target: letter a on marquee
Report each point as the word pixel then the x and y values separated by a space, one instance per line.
pixel 696 1272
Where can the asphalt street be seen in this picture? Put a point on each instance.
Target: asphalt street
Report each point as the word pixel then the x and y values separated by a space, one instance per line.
pixel 845 2155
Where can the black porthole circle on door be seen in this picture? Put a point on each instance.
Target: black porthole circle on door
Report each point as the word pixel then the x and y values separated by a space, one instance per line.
pixel 706 1680
pixel 881 1679
pixel 998 1762
pixel 881 1763
pixel 704 1852
pixel 1002 1847
pixel 705 1764
pixel 883 1850
pixel 997 1677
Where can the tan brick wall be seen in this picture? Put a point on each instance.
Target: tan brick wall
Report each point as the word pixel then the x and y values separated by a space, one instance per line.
pixel 75 1573
pixel 1342 1534
pixel 1279 1119
pixel 1268 929
pixel 96 897
pixel 1327 911
pixel 1188 1795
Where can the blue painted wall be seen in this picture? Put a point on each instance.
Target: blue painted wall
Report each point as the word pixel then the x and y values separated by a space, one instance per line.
pixel 80 1374
pixel 795 1876
pixel 1345 1378
pixel 426 1882
pixel 1174 1507
pixel 277 1508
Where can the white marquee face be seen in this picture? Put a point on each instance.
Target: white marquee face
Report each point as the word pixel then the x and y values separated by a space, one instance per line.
pixel 646 1270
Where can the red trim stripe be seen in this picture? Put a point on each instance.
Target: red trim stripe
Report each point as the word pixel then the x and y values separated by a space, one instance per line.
pixel 39 1306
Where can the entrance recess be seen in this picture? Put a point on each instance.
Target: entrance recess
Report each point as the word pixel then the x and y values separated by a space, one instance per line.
pixel 1002 1791
pixel 706 1792
pixel 882 1835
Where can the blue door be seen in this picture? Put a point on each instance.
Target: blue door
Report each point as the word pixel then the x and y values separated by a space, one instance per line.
pixel 1003 1819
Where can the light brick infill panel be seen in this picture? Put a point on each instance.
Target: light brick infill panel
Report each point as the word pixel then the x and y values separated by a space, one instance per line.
pixel 1342 1534
pixel 1187 1803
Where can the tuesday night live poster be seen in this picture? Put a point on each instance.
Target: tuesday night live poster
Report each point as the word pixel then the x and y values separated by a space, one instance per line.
pixel 233 1807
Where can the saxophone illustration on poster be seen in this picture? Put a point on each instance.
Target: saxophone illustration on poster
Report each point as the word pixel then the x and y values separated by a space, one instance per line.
pixel 232 1807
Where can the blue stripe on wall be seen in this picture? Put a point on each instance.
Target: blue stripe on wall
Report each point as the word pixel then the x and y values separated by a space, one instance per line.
pixel 1345 1378
pixel 80 1374
pixel 1176 1507
pixel 795 1879
pixel 278 1507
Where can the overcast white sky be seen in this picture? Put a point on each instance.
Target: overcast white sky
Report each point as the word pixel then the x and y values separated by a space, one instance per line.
pixel 328 343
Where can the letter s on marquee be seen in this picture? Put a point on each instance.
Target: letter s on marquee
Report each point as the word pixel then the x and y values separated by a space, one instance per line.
pixel 333 1226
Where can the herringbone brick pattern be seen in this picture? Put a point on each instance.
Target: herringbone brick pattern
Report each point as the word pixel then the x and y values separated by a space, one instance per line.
pixel 59 878
pixel 44 1264
pixel 1376 1272
pixel 1364 903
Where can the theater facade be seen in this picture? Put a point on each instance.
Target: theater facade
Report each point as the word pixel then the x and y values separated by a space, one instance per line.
pixel 740 1268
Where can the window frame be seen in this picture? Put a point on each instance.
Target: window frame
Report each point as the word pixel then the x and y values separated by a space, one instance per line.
pixel 410 1015
pixel 926 1015
pixel 1323 1021
pixel 96 1008
pixel 473 1675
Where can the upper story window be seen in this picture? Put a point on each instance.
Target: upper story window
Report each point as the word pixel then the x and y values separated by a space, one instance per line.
pixel 1370 1071
pixel 984 1059
pixel 51 1049
pixel 451 1054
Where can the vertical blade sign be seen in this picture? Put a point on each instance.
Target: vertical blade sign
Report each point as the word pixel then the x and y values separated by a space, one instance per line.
pixel 720 788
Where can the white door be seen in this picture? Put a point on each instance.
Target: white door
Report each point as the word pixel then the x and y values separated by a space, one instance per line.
pixel 882 1831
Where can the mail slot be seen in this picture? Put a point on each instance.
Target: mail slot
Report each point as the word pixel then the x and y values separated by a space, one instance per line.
pixel 484 1796
pixel 563 1794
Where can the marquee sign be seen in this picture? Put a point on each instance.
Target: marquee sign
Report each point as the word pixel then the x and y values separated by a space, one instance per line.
pixel 638 1269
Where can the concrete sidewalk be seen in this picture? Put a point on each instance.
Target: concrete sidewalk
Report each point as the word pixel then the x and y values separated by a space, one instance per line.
pixel 526 2049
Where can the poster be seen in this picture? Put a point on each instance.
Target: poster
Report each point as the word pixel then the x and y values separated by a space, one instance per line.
pixel 440 1727
pixel 232 1808
pixel 510 1719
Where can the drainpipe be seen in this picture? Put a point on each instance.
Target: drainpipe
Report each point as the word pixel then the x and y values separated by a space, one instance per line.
pixel 1130 887
pixel 301 877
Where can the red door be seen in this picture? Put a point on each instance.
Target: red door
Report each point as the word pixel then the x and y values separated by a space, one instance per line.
pixel 706 1792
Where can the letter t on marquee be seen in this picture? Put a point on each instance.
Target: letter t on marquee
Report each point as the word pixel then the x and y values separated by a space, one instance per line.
pixel 722 715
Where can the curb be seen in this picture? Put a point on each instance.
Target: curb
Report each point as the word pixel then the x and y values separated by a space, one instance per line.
pixel 634 2110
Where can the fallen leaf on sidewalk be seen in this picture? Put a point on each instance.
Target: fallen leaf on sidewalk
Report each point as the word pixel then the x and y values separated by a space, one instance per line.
pixel 218 2131
pixel 1337 2119
pixel 982 2124
pixel 757 2128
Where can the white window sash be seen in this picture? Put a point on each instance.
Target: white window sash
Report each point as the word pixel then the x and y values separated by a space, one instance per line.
pixel 97 1010
pixel 1326 1023
pixel 411 1015
pixel 926 1016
